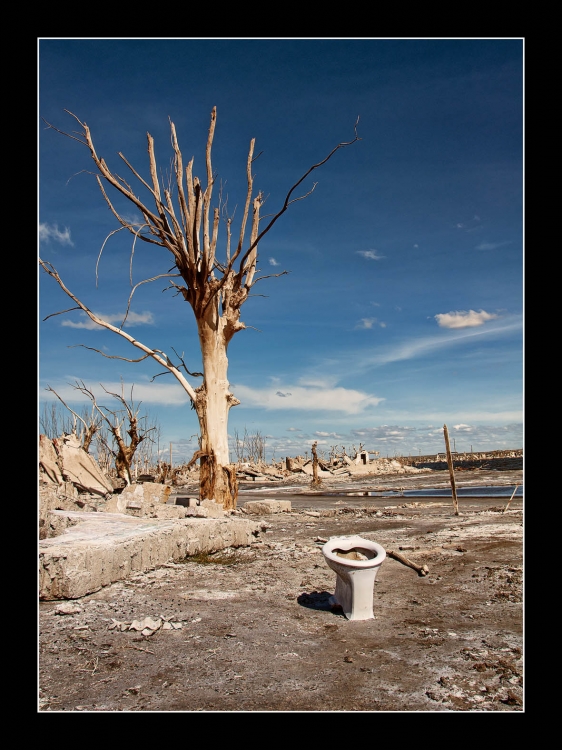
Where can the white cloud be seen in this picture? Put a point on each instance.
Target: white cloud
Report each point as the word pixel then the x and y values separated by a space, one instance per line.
pixel 491 245
pixel 48 232
pixel 463 427
pixel 135 219
pixel 294 429
pixel 369 323
pixel 327 434
pixel 133 319
pixel 308 399
pixel 273 262
pixel 463 319
pixel 370 254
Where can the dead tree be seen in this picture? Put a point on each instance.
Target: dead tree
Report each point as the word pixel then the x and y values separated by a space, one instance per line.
pixel 316 481
pixel 184 223
pixel 120 423
pixel 91 423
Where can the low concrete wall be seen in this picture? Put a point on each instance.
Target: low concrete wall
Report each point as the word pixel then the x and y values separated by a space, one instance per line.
pixel 106 547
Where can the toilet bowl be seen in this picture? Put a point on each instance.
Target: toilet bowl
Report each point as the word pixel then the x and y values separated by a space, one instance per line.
pixel 356 562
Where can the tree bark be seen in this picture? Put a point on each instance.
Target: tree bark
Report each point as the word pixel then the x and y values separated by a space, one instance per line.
pixel 214 400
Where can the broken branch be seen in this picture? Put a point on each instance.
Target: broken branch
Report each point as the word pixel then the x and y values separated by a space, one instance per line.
pixel 421 570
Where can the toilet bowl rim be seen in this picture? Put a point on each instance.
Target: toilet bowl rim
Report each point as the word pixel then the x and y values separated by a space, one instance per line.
pixel 350 542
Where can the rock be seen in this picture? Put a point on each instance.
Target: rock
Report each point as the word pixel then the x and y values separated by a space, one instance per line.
pixel 206 509
pixel 265 507
pixel 67 608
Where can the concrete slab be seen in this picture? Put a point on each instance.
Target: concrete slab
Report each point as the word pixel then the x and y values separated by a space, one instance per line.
pixel 102 548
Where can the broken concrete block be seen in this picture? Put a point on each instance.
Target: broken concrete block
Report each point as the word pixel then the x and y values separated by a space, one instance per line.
pixel 206 509
pixel 79 467
pixel 263 507
pixel 195 511
pixel 138 499
pixel 102 548
pixel 168 511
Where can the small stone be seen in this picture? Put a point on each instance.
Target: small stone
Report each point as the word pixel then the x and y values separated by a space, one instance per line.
pixel 68 608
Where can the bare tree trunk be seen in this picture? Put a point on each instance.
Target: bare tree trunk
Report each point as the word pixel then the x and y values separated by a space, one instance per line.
pixel 214 400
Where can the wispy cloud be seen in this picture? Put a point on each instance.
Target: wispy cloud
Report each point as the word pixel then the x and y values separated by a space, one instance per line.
pixel 133 319
pixel 48 232
pixel 420 347
pixel 336 399
pixel 491 245
pixel 369 254
pixel 273 262
pixel 369 323
pixel 463 319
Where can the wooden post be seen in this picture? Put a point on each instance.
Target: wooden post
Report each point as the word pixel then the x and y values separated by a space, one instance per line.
pixel 511 498
pixel 315 478
pixel 451 470
pixel 170 456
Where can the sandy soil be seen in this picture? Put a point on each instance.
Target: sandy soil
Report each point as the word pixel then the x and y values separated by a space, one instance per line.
pixel 254 630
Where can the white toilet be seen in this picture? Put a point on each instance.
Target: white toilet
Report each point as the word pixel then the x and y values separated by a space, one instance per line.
pixel 356 562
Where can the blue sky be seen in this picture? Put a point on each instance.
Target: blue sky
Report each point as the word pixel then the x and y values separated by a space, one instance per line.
pixel 403 307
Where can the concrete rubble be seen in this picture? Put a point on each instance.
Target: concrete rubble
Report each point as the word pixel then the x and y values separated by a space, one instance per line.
pixel 97 549
pixel 92 533
pixel 265 507
pixel 64 460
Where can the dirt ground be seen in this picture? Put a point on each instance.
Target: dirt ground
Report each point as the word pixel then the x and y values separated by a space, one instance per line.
pixel 254 631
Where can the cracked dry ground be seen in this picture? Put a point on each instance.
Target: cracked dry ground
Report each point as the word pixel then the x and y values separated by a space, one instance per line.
pixel 258 633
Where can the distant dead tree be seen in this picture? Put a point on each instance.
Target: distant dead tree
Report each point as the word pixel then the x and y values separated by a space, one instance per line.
pixel 183 223
pixel 316 481
pixel 91 423
pixel 120 423
pixel 54 420
pixel 250 447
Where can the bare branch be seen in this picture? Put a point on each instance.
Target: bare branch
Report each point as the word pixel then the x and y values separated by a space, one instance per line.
pixel 193 374
pixel 49 268
pixel 109 356
pixel 62 132
pixel 77 416
pixel 288 202
pixel 102 247
pixel 269 276
pixel 140 283
pixel 52 315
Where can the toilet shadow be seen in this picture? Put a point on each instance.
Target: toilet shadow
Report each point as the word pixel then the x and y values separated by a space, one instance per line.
pixel 320 601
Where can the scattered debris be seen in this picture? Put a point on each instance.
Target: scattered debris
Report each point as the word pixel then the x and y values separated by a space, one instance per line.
pixel 147 626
